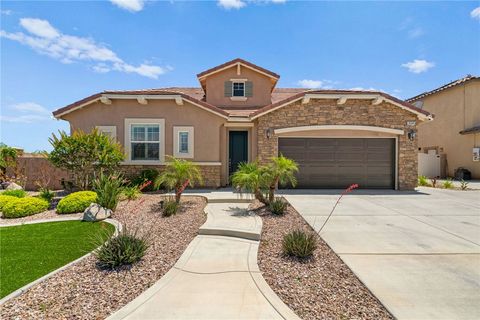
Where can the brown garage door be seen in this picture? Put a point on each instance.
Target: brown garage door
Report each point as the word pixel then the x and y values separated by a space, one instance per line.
pixel 339 162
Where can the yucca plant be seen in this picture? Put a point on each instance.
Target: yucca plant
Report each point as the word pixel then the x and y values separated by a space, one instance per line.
pixel 109 189
pixel 178 175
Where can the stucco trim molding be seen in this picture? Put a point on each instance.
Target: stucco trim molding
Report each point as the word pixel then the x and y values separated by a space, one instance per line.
pixel 339 127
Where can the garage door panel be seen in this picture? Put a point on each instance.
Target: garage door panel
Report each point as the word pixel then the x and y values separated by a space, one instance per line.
pixel 339 162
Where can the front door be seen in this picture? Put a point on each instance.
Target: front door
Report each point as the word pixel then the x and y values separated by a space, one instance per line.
pixel 238 150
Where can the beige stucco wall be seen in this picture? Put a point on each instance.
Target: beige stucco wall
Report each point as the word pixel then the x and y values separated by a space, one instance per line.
pixel 207 126
pixel 353 112
pixel 262 87
pixel 455 109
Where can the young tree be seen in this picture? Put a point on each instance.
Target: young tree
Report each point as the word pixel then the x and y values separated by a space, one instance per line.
pixel 8 158
pixel 85 155
pixel 281 171
pixel 262 181
pixel 177 175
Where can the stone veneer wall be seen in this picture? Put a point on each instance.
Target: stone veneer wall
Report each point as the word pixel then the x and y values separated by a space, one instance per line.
pixel 210 174
pixel 353 112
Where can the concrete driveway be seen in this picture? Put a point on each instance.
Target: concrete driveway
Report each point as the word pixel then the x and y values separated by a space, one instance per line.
pixel 418 252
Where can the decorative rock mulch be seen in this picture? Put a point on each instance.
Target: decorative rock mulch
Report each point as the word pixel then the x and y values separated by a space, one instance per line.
pixel 322 287
pixel 83 291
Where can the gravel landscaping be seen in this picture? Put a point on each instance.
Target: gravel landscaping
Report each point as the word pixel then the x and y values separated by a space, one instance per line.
pixel 83 291
pixel 322 287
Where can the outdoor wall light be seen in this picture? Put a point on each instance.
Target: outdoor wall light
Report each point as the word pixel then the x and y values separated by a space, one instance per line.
pixel 411 135
pixel 268 133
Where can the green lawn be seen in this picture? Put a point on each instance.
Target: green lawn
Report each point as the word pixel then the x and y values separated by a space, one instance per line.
pixel 31 251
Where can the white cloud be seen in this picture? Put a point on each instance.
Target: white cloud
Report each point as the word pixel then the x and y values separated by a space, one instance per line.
pixel 475 14
pixel 30 118
pixel 418 66
pixel 316 84
pixel 130 5
pixel 6 12
pixel 416 32
pixel 40 28
pixel 363 89
pixel 238 4
pixel 45 39
pixel 31 107
pixel 231 4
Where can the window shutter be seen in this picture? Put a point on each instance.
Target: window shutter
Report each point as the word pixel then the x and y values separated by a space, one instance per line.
pixel 248 88
pixel 228 88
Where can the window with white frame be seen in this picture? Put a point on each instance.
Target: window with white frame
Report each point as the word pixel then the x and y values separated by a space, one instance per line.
pixel 144 140
pixel 238 89
pixel 183 142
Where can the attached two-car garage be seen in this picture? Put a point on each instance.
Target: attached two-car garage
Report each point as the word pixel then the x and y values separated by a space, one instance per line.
pixel 339 162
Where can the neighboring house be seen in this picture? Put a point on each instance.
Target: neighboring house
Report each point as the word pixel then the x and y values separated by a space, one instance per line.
pixel 338 137
pixel 455 133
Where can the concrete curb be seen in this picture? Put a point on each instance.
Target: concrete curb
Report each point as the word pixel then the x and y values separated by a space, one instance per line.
pixel 16 293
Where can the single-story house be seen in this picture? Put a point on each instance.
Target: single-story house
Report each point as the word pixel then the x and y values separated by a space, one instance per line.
pixel 338 137
pixel 455 133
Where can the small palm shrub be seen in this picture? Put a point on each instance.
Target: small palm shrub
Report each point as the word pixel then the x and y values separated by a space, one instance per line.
pixel 6 199
pixel 170 207
pixel 108 189
pixel 277 206
pixel 463 185
pixel 22 207
pixel 448 184
pixel 14 193
pixel 131 193
pixel 145 176
pixel 46 194
pixel 299 244
pixel 124 249
pixel 76 202
pixel 423 181
pixel 178 175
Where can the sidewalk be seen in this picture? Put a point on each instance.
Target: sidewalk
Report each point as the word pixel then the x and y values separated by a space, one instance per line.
pixel 217 277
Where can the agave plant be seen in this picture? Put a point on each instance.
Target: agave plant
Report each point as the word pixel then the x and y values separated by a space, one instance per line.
pixel 178 175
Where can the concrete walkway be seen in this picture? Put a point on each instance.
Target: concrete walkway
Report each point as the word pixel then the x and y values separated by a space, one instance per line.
pixel 217 277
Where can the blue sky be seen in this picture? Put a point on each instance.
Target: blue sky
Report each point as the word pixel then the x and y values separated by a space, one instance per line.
pixel 54 53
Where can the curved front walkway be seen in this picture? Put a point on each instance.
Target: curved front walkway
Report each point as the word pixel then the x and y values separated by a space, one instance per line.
pixel 217 277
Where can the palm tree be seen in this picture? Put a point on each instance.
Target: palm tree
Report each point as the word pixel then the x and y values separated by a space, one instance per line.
pixel 251 177
pixel 178 175
pixel 281 171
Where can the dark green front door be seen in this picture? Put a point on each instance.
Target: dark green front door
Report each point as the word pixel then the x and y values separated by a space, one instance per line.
pixel 238 149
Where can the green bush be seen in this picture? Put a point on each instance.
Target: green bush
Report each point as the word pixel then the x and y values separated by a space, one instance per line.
pixel 299 244
pixel 170 207
pixel 448 184
pixel 131 193
pixel 22 207
pixel 14 193
pixel 76 202
pixel 85 155
pixel 6 199
pixel 423 181
pixel 108 189
pixel 46 194
pixel 144 176
pixel 277 206
pixel 124 249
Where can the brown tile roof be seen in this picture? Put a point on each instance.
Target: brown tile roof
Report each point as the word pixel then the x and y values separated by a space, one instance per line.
pixel 235 61
pixel 451 84
pixel 280 96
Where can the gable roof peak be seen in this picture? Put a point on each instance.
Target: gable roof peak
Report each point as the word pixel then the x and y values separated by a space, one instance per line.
pixel 237 61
